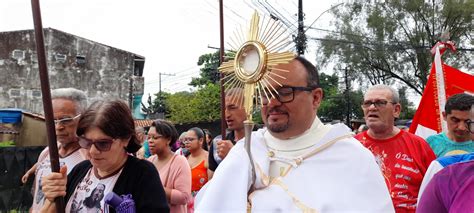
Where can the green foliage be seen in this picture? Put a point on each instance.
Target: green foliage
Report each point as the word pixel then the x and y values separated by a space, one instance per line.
pixel 388 41
pixel 336 103
pixel 257 116
pixel 209 73
pixel 159 104
pixel 207 103
pixel 150 108
pixel 408 109
pixel 202 105
pixel 180 106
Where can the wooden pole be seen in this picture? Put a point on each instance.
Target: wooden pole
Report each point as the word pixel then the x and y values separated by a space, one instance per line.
pixel 221 60
pixel 46 93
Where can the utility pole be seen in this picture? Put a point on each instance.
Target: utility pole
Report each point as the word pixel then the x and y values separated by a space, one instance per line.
pixel 159 77
pixel 301 37
pixel 161 107
pixel 347 94
pixel 221 60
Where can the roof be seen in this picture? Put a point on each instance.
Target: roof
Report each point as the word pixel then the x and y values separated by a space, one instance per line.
pixel 60 31
pixel 143 123
pixel 34 115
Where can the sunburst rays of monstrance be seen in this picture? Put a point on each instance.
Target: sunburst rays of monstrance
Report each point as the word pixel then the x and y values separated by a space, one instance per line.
pixel 253 67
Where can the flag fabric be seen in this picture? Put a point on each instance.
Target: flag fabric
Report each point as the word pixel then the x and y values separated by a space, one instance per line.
pixel 443 82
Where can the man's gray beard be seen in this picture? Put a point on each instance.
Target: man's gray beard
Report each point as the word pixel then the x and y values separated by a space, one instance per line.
pixel 277 128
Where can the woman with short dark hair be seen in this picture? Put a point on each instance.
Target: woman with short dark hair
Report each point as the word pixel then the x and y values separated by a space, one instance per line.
pixel 174 170
pixel 106 129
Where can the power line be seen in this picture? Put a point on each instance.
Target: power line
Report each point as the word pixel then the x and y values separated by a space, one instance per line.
pixel 160 74
pixel 234 13
pixel 336 32
pixel 176 73
pixel 292 15
pixel 332 7
pixel 402 46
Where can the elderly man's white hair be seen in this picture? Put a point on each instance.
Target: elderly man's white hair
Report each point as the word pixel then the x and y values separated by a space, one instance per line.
pixel 139 129
pixel 395 95
pixel 77 96
pixel 182 136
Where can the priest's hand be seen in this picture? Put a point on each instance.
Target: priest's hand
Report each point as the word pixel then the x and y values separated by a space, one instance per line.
pixel 54 184
pixel 223 148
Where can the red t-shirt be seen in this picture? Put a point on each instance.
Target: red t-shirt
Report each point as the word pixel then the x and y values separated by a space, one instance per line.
pixel 403 160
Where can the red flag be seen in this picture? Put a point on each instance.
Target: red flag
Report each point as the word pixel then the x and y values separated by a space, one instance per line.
pixel 443 82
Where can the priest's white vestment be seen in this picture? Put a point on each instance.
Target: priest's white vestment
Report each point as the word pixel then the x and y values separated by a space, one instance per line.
pixel 335 174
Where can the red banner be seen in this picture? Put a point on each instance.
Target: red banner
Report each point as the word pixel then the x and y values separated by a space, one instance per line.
pixel 428 117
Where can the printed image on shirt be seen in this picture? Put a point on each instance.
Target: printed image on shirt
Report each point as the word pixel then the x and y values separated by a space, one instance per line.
pixel 92 203
pixel 89 194
pixel 39 194
pixel 43 169
pixel 380 157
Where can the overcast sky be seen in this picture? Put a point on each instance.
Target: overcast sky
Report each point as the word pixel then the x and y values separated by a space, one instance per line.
pixel 171 35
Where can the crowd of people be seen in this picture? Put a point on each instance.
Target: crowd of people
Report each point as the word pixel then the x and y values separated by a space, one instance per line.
pixel 300 163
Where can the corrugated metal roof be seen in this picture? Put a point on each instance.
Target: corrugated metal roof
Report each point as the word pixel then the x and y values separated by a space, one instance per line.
pixel 143 123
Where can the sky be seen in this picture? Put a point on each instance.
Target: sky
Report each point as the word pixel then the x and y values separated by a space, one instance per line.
pixel 171 35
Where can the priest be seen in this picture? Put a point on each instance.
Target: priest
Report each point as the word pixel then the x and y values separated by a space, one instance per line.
pixel 301 164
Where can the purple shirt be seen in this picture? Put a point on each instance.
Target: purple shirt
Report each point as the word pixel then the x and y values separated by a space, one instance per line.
pixel 450 190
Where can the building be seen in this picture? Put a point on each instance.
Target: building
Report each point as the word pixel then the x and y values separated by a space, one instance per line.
pixel 99 70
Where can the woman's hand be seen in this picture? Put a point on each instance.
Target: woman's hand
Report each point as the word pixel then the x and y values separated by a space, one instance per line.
pixel 168 193
pixel 32 170
pixel 54 185
pixel 25 177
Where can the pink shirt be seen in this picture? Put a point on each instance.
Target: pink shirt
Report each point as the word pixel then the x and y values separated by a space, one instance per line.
pixel 176 174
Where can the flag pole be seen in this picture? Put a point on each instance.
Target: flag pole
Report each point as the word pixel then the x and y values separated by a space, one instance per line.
pixel 221 60
pixel 46 94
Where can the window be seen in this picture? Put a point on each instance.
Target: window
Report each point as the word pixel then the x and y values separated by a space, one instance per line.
pixel 36 93
pixel 18 54
pixel 60 58
pixel 14 93
pixel 80 60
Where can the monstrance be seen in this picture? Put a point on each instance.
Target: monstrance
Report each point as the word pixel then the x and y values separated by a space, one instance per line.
pixel 253 67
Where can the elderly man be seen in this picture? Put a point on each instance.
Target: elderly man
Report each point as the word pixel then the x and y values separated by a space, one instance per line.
pixel 234 117
pixel 301 164
pixel 403 157
pixel 68 104
pixel 458 139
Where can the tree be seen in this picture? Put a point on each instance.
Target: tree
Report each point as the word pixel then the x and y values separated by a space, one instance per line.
pixel 408 110
pixel 209 72
pixel 160 102
pixel 335 103
pixel 181 108
pixel 150 109
pixel 207 103
pixel 157 106
pixel 202 105
pixel 388 41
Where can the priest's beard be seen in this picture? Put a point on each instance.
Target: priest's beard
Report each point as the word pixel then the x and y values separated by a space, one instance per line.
pixel 277 128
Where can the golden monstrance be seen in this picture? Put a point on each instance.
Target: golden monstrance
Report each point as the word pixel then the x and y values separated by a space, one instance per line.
pixel 265 45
